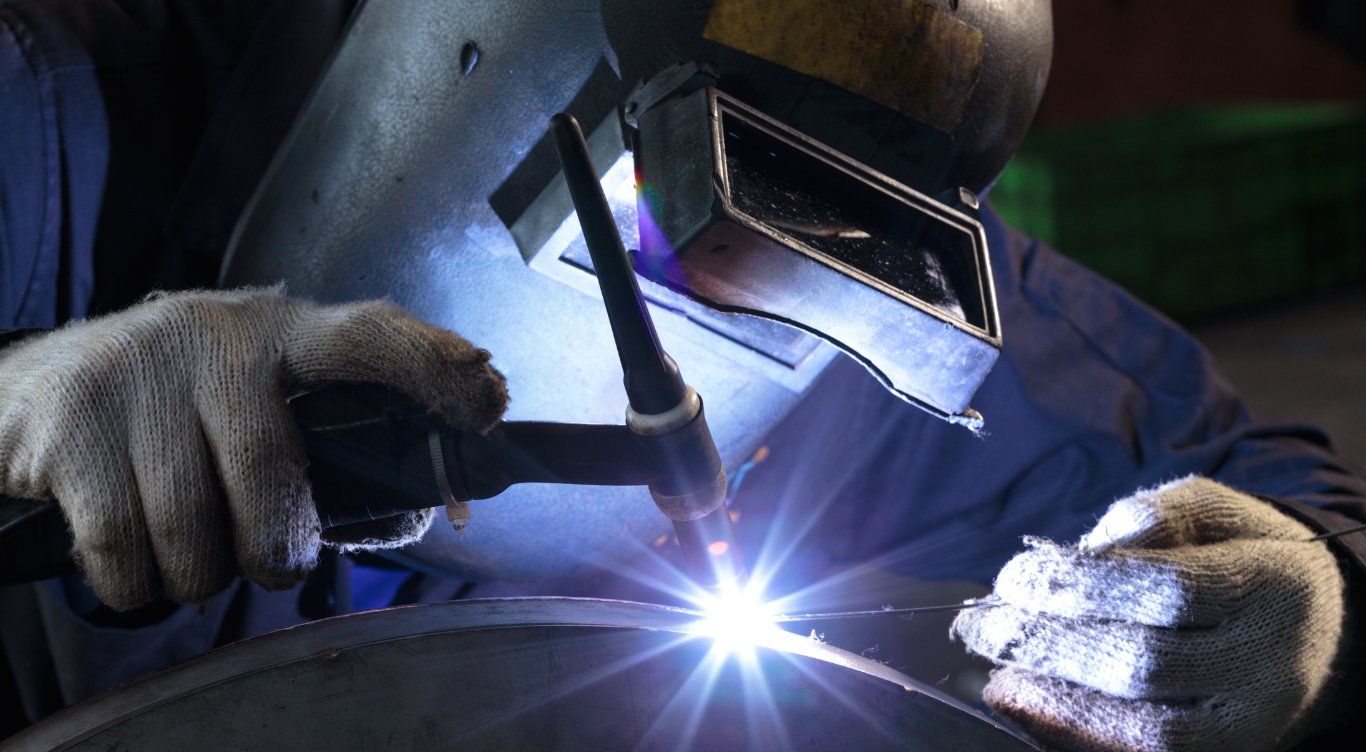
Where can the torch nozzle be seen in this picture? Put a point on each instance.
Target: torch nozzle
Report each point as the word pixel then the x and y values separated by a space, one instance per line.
pixel 711 551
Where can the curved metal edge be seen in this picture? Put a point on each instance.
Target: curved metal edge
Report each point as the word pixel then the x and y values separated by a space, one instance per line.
pixel 231 662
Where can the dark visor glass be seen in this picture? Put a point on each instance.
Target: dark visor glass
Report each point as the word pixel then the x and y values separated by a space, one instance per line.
pixel 831 211
pixel 747 215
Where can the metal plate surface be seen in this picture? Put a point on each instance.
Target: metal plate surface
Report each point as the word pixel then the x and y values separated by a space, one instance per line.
pixel 512 674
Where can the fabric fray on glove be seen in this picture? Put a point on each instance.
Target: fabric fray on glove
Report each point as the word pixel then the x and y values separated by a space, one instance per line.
pixel 164 433
pixel 1192 617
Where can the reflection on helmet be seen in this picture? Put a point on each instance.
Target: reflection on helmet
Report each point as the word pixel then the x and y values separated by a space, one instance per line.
pixel 411 176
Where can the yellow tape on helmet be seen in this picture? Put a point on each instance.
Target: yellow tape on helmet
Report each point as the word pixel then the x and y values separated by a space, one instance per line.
pixel 904 54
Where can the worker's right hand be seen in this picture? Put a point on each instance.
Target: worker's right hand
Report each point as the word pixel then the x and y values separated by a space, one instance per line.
pixel 164 434
pixel 1192 618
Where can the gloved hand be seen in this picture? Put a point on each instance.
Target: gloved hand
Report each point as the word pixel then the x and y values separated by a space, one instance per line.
pixel 1192 617
pixel 164 434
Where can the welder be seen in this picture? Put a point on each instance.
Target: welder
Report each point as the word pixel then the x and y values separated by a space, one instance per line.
pixel 1194 614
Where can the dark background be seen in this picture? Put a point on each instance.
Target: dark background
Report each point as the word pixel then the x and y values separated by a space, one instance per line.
pixel 1211 158
pixel 1113 58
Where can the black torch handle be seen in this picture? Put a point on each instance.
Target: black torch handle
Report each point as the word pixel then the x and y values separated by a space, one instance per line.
pixel 370 456
pixel 653 383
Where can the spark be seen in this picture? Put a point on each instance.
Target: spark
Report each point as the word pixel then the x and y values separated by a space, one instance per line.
pixel 738 622
pixel 742 623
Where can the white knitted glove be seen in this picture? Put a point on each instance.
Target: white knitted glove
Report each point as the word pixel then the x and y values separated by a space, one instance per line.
pixel 163 431
pixel 1192 617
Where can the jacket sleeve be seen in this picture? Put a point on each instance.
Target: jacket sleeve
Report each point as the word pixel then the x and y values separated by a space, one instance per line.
pixel 54 153
pixel 1165 399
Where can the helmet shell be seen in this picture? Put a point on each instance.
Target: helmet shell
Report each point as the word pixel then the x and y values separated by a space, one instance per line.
pixel 423 142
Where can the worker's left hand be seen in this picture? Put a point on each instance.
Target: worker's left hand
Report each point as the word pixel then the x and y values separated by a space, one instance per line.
pixel 164 435
pixel 1192 617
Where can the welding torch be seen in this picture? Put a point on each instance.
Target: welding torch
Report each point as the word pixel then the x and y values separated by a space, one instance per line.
pixel 374 452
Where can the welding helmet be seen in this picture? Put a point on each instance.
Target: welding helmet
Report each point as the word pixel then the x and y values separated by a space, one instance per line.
pixel 795 179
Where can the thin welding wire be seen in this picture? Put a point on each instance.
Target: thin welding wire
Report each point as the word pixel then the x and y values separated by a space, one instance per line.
pixel 971 603
pixel 1326 536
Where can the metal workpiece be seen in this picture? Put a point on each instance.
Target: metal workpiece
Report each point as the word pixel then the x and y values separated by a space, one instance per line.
pixel 535 673
pixel 743 214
